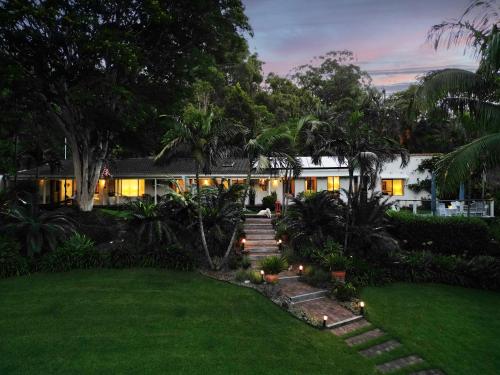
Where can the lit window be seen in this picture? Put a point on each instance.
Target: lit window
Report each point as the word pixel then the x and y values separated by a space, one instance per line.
pixel 393 187
pixel 310 185
pixel 333 183
pixel 132 188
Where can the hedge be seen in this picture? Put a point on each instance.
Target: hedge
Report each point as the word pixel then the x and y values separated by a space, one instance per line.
pixel 467 236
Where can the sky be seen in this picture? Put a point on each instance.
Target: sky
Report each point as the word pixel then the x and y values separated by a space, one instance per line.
pixel 387 37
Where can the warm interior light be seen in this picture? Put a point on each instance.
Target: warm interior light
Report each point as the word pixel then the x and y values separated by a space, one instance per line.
pixel 206 182
pixel 361 304
pixel 275 182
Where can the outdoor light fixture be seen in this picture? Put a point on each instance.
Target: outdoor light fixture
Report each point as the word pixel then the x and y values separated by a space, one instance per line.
pixel 262 275
pixel 280 242
pixel 362 308
pixel 325 318
pixel 243 242
pixel 301 269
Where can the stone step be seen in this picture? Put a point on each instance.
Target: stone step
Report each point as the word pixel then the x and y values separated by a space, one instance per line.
pixel 261 256
pixel 399 364
pixel 260 243
pixel 260 236
pixel 308 296
pixel 260 231
pixel 352 326
pixel 364 337
pixel 377 350
pixel 258 250
pixel 344 322
pixel 258 220
pixel 258 227
pixel 428 372
pixel 289 279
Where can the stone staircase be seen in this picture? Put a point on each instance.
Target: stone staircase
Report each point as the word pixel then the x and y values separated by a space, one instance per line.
pixel 260 241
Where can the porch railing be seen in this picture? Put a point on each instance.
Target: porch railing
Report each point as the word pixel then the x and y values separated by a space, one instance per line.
pixel 466 207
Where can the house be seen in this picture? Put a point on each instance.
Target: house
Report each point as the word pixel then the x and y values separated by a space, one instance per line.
pixel 132 178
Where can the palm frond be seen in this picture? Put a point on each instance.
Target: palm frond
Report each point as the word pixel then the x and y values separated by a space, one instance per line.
pixel 457 166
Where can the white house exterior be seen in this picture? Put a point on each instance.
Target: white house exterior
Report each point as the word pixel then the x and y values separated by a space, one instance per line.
pixel 132 178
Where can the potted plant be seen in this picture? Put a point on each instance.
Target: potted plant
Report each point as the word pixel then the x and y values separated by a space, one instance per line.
pixel 272 266
pixel 332 259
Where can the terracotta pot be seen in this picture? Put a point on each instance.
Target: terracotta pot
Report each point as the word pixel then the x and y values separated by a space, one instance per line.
pixel 271 279
pixel 339 276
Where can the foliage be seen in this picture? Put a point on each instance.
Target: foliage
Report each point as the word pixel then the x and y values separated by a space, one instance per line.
pixel 245 262
pixel 316 277
pixel 170 257
pixel 273 265
pixel 252 275
pixel 38 230
pixel 362 273
pixel 122 255
pixel 78 251
pixel 269 200
pixel 345 292
pixel 330 256
pixel 313 218
pixel 446 235
pixel 11 261
pixel 94 66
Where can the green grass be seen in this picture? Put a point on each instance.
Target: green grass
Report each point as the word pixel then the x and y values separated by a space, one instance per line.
pixel 455 329
pixel 147 321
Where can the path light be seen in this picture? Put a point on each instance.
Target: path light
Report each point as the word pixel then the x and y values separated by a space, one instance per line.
pixel 362 307
pixel 301 269
pixel 325 318
pixel 262 275
pixel 243 242
pixel 280 242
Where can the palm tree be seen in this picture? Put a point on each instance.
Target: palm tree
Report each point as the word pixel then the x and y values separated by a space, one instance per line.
pixel 356 144
pixel 475 94
pixel 198 136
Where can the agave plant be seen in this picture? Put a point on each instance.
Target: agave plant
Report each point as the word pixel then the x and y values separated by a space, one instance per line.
pixel 39 230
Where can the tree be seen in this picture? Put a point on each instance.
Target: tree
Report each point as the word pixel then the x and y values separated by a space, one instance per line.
pixel 91 64
pixel 198 135
pixel 475 95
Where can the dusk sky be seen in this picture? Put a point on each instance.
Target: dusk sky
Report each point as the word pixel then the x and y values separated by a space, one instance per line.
pixel 388 37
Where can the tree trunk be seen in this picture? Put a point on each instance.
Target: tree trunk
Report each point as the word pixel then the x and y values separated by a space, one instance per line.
pixel 235 230
pixel 200 218
pixel 349 207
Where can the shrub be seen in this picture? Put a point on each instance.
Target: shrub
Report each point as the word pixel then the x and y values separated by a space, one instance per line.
pixel 122 255
pixel 331 258
pixel 245 262
pixel 316 277
pixel 76 252
pixel 446 235
pixel 273 265
pixel 11 261
pixel 255 277
pixel 345 292
pixel 170 257
pixel 242 275
pixel 361 273
pixel 269 201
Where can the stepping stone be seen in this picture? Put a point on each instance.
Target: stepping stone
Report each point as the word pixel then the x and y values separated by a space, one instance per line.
pixel 348 328
pixel 399 363
pixel 380 348
pixel 428 372
pixel 364 337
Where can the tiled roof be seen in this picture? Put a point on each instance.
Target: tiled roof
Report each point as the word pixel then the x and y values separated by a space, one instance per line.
pixel 142 167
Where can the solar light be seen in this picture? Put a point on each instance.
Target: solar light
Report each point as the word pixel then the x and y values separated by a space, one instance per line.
pixel 325 318
pixel 262 275
pixel 301 269
pixel 362 307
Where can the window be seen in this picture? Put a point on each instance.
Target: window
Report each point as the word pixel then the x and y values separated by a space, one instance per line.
pixel 333 183
pixel 238 181
pixel 132 188
pixel 310 185
pixel 393 187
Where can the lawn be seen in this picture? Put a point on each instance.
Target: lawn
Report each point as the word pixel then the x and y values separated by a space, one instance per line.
pixel 148 321
pixel 453 328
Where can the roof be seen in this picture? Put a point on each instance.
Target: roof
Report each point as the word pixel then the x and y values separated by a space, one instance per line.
pixel 141 167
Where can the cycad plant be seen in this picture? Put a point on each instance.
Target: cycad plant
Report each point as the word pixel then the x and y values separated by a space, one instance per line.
pixel 39 230
pixel 464 93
